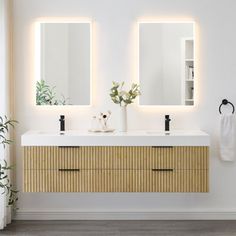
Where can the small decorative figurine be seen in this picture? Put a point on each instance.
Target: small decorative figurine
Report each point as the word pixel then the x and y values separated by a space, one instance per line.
pixel 103 119
pixel 100 122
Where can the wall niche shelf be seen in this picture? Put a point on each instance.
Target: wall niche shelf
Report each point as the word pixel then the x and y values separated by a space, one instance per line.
pixel 188 77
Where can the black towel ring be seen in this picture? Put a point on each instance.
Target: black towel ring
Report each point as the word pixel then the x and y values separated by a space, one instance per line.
pixel 225 102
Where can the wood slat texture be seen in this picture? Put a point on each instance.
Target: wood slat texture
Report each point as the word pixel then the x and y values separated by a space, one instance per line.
pixel 116 181
pixel 115 169
pixel 115 158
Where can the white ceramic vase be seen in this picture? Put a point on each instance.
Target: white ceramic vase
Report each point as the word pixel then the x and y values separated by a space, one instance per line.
pixel 123 118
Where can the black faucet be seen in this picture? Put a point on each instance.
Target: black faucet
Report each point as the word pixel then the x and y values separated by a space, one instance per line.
pixel 167 122
pixel 62 123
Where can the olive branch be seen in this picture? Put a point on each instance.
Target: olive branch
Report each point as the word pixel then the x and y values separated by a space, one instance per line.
pixel 120 96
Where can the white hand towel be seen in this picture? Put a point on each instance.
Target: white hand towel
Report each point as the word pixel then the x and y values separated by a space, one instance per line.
pixel 227 133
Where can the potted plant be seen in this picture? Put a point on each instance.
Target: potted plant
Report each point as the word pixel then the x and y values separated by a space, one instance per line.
pixel 123 98
pixel 5 183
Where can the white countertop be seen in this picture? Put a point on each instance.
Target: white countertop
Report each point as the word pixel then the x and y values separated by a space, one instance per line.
pixel 130 138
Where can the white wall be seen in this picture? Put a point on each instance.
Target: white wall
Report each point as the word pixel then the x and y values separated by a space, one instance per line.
pixel 114 59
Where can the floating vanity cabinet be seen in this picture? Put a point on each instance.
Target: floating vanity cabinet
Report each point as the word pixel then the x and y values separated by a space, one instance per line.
pixel 138 161
pixel 116 169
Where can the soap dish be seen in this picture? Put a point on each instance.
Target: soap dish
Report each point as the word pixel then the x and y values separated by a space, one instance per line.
pixel 108 130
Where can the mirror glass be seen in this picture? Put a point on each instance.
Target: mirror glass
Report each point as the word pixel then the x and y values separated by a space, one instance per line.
pixel 166 63
pixel 64 74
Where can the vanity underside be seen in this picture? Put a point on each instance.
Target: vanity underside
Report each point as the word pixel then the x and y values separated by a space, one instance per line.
pixel 116 169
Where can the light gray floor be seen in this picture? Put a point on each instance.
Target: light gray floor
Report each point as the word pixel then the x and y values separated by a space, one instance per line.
pixel 121 228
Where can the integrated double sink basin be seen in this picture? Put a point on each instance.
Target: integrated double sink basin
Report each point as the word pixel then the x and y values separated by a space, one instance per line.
pixel 131 138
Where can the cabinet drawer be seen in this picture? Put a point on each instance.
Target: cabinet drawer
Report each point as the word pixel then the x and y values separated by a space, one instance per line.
pixel 179 181
pixel 115 181
pixel 178 158
pixel 115 158
pixel 87 158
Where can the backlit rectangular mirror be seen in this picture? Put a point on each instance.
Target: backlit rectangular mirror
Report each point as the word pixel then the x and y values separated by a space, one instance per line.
pixel 166 63
pixel 64 63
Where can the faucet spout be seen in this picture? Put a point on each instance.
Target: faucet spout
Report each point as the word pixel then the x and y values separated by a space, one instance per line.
pixel 167 122
pixel 62 123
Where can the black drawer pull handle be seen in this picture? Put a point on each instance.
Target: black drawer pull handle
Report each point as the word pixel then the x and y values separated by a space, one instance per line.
pixel 68 146
pixel 162 146
pixel 162 170
pixel 69 169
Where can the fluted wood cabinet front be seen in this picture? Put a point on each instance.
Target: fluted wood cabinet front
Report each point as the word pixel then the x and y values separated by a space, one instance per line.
pixel 115 169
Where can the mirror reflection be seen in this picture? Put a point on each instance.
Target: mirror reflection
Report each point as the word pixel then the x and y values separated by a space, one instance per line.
pixel 166 63
pixel 64 64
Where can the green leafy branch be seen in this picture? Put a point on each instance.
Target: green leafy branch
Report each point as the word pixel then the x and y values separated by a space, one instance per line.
pixel 46 95
pixel 122 97
pixel 5 183
pixel 5 123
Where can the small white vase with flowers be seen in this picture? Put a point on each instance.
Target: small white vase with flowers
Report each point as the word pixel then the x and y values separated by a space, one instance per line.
pixel 123 98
